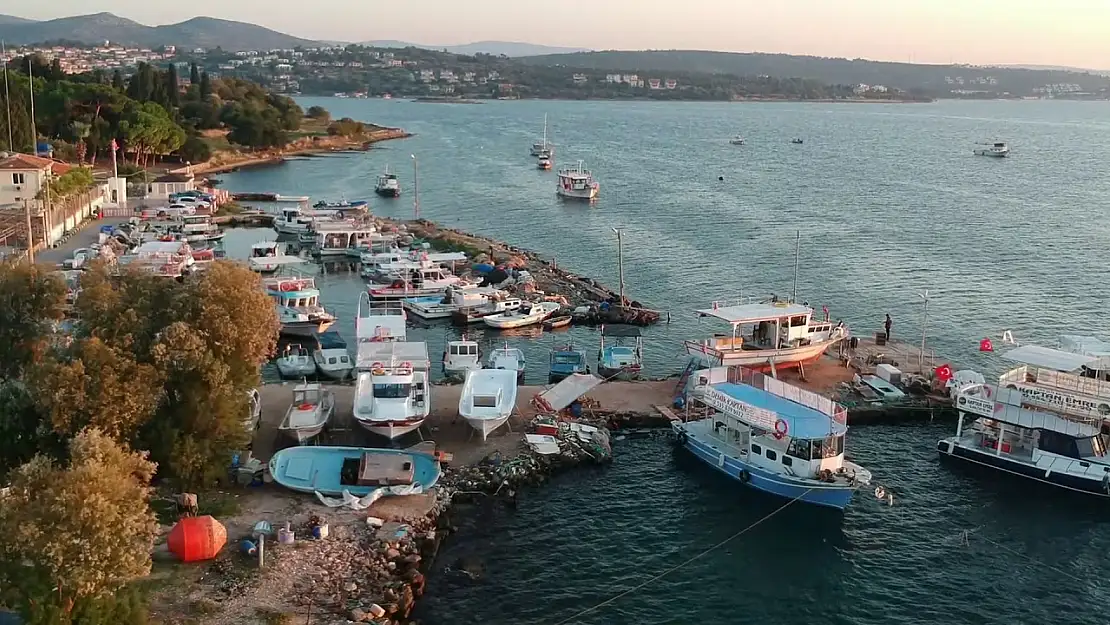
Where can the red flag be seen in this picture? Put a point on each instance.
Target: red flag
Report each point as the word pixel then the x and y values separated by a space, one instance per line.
pixel 115 146
pixel 986 346
pixel 943 373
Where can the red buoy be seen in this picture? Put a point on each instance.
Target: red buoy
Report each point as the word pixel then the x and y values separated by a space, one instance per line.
pixel 197 538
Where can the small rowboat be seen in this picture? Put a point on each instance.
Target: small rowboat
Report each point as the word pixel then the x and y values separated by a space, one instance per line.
pixel 557 322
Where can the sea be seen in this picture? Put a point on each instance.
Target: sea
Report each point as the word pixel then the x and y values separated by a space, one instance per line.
pixel 883 209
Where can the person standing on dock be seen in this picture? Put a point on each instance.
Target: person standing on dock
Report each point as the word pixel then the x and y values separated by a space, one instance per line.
pixel 886 324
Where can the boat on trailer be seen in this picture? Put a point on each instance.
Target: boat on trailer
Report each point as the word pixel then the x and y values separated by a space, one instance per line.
pixel 355 470
pixel 488 399
pixel 771 436
pixel 766 335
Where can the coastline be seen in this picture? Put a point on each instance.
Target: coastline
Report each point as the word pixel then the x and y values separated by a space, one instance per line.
pixel 224 162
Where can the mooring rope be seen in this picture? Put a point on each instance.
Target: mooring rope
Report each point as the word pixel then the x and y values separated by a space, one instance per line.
pixel 684 563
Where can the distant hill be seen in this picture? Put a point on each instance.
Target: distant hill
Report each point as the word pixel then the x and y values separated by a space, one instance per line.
pixel 1060 68
pixel 933 79
pixel 507 48
pixel 199 32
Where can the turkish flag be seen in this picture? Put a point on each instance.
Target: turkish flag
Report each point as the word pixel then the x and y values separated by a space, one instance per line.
pixel 943 373
pixel 986 346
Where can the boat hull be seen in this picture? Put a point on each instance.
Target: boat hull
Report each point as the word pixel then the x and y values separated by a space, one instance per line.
pixel 388 192
pixel 837 497
pixel 584 194
pixel 306 328
pixel 486 426
pixel 295 371
pixel 500 323
pixel 618 373
pixel 987 459
pixel 303 435
pixel 391 429
pixel 318 469
pixel 334 373
pixel 758 359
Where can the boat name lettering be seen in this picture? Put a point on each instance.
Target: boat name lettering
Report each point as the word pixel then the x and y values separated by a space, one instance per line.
pixel 1042 396
pixel 758 417
pixel 976 405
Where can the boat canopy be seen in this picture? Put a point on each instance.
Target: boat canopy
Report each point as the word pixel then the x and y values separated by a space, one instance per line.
pixel 392 353
pixel 620 331
pixel 569 389
pixel 754 313
pixel 1007 409
pixel 331 340
pixel 1086 345
pixel 764 409
pixel 1048 358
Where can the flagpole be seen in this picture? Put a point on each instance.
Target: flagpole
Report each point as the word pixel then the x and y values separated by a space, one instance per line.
pixel 7 95
pixel 115 169
pixel 31 86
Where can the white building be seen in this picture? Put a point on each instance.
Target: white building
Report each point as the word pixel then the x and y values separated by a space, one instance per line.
pixel 162 187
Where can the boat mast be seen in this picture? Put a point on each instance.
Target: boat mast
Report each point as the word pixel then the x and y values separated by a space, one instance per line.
pixel 545 131
pixel 797 250
pixel 415 189
pixel 620 261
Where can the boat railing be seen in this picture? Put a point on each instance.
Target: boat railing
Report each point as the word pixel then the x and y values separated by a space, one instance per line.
pixel 824 405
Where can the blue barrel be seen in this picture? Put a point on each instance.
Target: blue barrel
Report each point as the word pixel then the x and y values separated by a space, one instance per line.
pixel 107 229
pixel 248 547
pixel 679 402
pixel 483 267
pixel 604 306
pixel 576 409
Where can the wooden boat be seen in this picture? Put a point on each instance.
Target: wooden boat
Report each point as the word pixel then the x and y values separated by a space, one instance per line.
pixel 359 471
pixel 311 408
pixel 561 321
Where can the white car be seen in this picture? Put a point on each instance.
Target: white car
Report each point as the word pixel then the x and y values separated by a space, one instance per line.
pixel 192 201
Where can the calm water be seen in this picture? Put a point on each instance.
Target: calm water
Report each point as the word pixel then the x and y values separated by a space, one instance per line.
pixel 890 201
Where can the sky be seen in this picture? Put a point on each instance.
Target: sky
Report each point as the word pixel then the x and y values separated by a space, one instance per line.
pixel 1043 32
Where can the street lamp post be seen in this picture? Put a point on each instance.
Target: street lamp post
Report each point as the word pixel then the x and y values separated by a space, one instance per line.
pixel 924 295
pixel 415 189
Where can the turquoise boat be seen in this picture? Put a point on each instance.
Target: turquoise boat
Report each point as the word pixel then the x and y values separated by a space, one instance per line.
pixel 357 470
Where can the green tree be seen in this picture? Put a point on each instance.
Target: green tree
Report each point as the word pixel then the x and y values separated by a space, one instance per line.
pixel 117 81
pixel 56 72
pixel 32 300
pixel 319 113
pixel 205 86
pixel 78 533
pixel 194 74
pixel 195 150
pixel 173 91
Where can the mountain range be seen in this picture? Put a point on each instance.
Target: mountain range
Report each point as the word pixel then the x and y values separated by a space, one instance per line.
pixel 199 32
pixel 507 48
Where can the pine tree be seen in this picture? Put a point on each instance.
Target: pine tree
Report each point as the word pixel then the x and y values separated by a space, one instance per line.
pixel 117 80
pixel 194 74
pixel 172 92
pixel 205 86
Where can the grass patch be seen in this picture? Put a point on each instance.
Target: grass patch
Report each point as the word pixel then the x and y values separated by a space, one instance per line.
pixel 218 143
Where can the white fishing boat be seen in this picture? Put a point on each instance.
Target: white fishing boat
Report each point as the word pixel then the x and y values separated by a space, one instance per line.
pixel 771 436
pixel 388 185
pixel 540 147
pixel 778 334
pixel 391 391
pixel 297 220
pixel 377 243
pixel 508 358
pixel 1073 382
pixel 196 228
pixel 453 300
pixel 312 406
pixel 331 357
pixel 996 149
pixel 168 259
pixel 520 318
pixel 460 357
pixel 380 322
pixel 498 303
pixel 269 256
pixel 544 162
pixel 295 362
pixel 576 183
pixel 488 399
pixel 340 238
pixel 737 140
pixel 298 305
pixel 416 279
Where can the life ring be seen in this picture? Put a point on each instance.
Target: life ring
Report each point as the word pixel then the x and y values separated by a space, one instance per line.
pixel 744 476
pixel 288 286
pixel 376 366
pixel 406 365
pixel 880 493
pixel 781 428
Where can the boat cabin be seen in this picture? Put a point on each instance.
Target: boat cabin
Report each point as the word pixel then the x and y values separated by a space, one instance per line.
pixel 1075 385
pixel 374 468
pixel 379 322
pixel 342 238
pixel 307 395
pixel 298 293
pixel 265 249
pixel 622 347
pixel 461 354
pixel 764 326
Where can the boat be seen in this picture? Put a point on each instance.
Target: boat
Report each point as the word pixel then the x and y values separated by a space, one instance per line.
pixel 520 318
pixel 497 303
pixel 771 436
pixel 380 261
pixel 167 259
pixel 308 414
pixel 508 358
pixel 391 390
pixel 1073 382
pixel 488 399
pixel 997 149
pixel 554 323
pixel 430 307
pixel 616 359
pixel 576 183
pixel 540 147
pixel 417 279
pixel 295 362
pixel 453 300
pixel 782 333
pixel 544 161
pixel 460 357
pixel 340 204
pixel 388 185
pixel 269 256
pixel 1035 443
pixel 340 238
pixel 565 362
pixel 737 140
pixel 297 301
pixel 331 357
pixel 354 470
pixel 196 228
pixel 297 220
pixel 796 141
pixel 383 322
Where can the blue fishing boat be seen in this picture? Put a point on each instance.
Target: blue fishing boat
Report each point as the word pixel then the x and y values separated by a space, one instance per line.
pixel 567 361
pixel 771 436
pixel 620 358
pixel 359 471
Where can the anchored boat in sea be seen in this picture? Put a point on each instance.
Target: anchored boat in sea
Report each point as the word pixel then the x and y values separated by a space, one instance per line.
pixel 576 183
pixel 540 147
pixel 388 185
pixel 771 436
pixel 996 149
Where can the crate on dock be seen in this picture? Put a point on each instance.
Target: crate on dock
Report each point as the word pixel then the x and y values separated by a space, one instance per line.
pixel 880 338
pixel 890 373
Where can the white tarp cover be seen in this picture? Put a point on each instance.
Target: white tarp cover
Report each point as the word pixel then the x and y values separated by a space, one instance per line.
pixel 362 503
pixel 569 389
pixel 1086 345
pixel 1048 358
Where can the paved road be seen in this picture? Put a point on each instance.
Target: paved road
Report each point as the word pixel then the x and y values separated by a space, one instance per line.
pixel 86 236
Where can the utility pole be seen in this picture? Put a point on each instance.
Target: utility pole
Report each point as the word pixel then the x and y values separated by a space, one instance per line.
pixel 797 252
pixel 31 86
pixel 620 261
pixel 30 237
pixel 924 325
pixel 415 189
pixel 7 96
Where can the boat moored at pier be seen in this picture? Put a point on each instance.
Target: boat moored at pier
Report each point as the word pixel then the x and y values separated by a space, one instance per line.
pixel 772 437
pixel 766 335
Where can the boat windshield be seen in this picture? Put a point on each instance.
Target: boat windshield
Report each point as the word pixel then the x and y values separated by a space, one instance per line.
pixel 392 391
pixel 830 447
pixel 566 359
